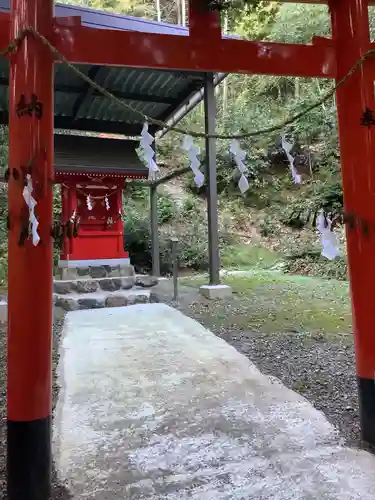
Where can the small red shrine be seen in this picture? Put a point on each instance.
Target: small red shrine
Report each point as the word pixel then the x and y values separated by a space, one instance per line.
pixel 92 173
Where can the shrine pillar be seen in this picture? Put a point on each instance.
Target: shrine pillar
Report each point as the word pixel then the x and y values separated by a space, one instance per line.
pixel 30 267
pixel 350 31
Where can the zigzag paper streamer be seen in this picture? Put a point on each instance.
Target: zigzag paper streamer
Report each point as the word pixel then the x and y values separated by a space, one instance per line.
pixel 239 156
pixel 146 153
pixel 287 147
pixel 89 203
pixel 31 203
pixel 328 239
pixel 193 152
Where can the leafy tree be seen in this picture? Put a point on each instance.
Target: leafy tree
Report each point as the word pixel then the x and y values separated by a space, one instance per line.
pixel 253 22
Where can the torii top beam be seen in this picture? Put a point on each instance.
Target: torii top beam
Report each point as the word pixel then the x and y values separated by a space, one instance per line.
pixel 204 50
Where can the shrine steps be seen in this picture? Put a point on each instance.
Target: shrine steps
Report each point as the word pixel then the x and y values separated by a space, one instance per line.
pixel 98 300
pixel 91 285
pixel 110 291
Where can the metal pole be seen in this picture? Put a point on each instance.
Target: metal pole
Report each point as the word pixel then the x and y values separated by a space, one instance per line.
pixel 174 243
pixel 191 104
pixel 155 253
pixel 213 225
pixel 29 392
pixel 158 10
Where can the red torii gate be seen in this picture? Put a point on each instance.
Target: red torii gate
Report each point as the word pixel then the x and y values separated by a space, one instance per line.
pixel 31 72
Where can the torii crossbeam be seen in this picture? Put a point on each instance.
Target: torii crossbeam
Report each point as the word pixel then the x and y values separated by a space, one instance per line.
pixel 31 137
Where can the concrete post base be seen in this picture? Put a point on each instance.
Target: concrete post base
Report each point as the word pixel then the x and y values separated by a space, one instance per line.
pixel 213 292
pixel 3 311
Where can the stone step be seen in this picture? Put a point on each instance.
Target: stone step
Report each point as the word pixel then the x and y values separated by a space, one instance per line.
pixel 99 271
pixel 92 285
pixel 101 299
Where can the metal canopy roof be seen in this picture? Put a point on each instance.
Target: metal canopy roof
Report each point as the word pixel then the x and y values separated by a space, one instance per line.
pixel 80 155
pixel 158 94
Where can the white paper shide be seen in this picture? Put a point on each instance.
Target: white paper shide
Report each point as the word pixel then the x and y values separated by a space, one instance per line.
pixel 239 157
pixel 287 147
pixel 89 202
pixel 193 151
pixel 146 153
pixel 31 203
pixel 328 238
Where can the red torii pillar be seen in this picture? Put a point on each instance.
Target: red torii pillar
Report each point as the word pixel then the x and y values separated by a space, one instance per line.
pixel 350 30
pixel 30 267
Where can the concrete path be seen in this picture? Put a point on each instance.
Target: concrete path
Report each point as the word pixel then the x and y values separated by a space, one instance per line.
pixel 154 406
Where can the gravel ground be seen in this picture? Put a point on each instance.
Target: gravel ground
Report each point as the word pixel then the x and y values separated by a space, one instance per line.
pixel 58 490
pixel 322 370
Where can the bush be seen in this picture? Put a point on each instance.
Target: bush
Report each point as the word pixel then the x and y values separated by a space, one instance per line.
pixel 267 226
pixel 136 190
pixel 137 240
pixel 313 264
pixel 167 208
pixel 194 248
pixel 247 256
pixel 193 244
pixel 193 251
pixel 190 206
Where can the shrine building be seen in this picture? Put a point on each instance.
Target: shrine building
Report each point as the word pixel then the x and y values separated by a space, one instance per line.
pixel 92 173
pixel 93 170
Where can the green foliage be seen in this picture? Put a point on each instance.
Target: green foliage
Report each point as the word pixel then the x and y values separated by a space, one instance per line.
pixel 193 250
pixel 136 191
pixel 190 206
pixel 167 208
pixel 147 9
pixel 299 23
pixel 194 247
pixel 57 218
pixel 247 256
pixel 267 226
pixel 310 262
pixel 137 239
pixel 254 19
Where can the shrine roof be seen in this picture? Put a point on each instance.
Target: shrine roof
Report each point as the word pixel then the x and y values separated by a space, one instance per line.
pixel 91 156
pixel 155 93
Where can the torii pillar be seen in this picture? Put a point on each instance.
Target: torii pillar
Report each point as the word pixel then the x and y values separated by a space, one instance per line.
pixel 30 267
pixel 350 33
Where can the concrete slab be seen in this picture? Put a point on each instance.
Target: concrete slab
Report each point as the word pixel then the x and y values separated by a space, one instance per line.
pixel 154 406
pixel 216 291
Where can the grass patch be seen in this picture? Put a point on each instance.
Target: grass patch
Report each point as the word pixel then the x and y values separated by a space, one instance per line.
pixel 245 257
pixel 274 303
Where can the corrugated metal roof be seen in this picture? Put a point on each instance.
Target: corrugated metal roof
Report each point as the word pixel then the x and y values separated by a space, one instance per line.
pixel 78 153
pixel 155 93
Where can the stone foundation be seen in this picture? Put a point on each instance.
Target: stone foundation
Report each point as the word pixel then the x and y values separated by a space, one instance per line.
pixel 96 272
pixel 99 300
pixel 98 286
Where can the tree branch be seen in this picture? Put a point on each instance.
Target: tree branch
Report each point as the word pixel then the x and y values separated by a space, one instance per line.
pixel 169 177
